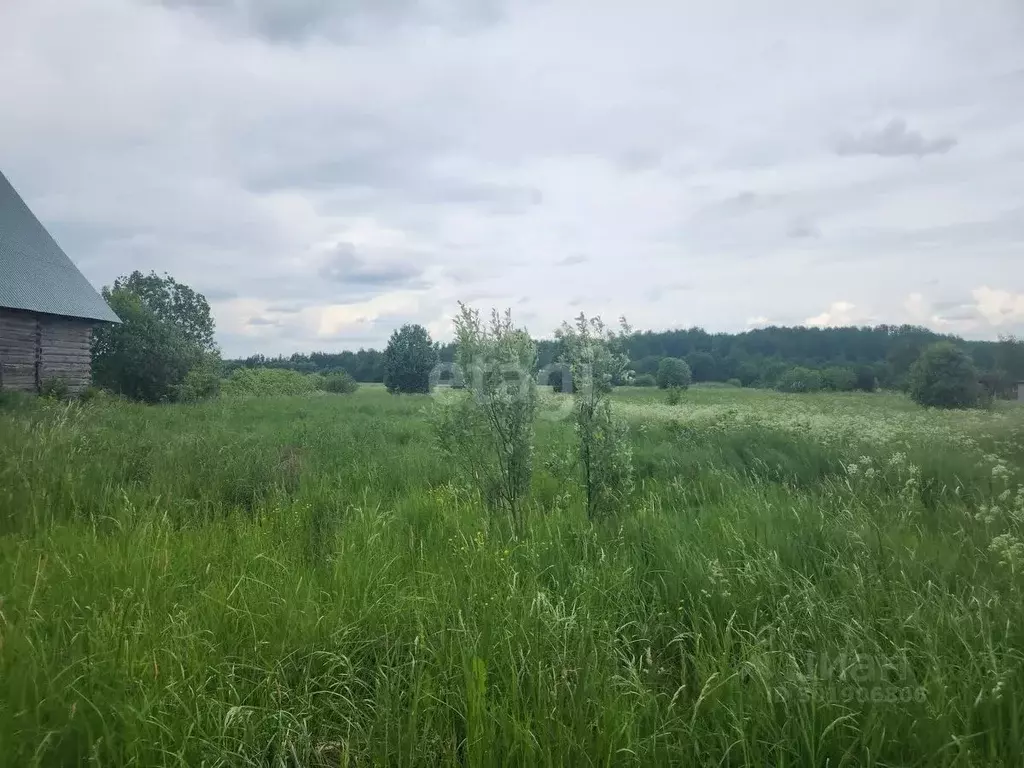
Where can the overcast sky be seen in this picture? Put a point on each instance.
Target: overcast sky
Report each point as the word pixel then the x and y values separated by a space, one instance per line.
pixel 325 171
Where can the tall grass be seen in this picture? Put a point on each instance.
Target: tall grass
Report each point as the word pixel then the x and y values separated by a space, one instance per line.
pixel 298 581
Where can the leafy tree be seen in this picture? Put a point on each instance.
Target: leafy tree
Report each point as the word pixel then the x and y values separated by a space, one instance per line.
pixel 408 360
pixel 645 380
pixel 173 303
pixel 702 365
pixel 799 380
pixel 555 379
pixel 488 430
pixel 838 379
pixel 1009 357
pixel 144 358
pixel 866 380
pixel 673 373
pixel 595 355
pixel 340 383
pixel 163 350
pixel 944 377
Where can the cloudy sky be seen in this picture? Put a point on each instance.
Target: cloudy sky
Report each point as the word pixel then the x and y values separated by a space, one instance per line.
pixel 325 170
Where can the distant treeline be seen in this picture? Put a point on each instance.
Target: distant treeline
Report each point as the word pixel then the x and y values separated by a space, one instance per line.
pixel 757 358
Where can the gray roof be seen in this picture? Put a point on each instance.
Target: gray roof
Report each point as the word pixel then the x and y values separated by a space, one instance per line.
pixel 35 274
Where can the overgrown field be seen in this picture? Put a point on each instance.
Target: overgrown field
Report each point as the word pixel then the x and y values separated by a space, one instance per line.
pixel 796 581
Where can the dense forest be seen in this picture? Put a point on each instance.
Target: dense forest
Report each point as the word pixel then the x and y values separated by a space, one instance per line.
pixel 757 358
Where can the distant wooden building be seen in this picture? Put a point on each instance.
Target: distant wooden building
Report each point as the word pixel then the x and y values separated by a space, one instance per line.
pixel 47 307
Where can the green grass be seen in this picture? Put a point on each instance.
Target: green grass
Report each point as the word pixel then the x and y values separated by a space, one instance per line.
pixel 298 581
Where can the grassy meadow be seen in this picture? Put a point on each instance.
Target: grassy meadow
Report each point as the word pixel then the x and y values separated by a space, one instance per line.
pixel 819 580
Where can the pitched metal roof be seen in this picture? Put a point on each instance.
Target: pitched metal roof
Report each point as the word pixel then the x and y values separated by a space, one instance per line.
pixel 35 274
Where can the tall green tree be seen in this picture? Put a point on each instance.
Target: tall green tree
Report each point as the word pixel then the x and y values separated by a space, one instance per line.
pixel 163 349
pixel 673 373
pixel 408 360
pixel 145 357
pixel 944 377
pixel 174 304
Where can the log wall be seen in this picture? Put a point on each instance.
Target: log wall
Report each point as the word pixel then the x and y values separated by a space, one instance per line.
pixel 19 342
pixel 35 348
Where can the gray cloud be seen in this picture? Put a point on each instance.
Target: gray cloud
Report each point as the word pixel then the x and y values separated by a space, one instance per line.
pixel 803 230
pixel 217 293
pixel 894 139
pixel 465 154
pixel 344 266
pixel 573 260
pixel 293 21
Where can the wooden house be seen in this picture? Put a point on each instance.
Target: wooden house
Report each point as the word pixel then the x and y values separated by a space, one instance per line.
pixel 47 307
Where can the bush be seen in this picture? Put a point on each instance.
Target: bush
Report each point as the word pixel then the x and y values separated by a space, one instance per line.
pixel 673 372
pixel 596 357
pixel 799 380
pixel 408 360
pixel 202 382
pixel 488 433
pixel 838 379
pixel 555 380
pixel 340 383
pixel 675 395
pixel 645 380
pixel 55 388
pixel 267 382
pixel 866 380
pixel 90 393
pixel 734 383
pixel 944 377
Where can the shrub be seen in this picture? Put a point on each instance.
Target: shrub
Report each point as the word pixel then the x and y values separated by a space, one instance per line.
pixel 595 356
pixel 836 378
pixel 340 383
pixel 267 382
pixel 944 377
pixel 673 372
pixel 734 383
pixel 799 380
pixel 488 431
pixel 675 395
pixel 866 380
pixel 555 380
pixel 55 388
pixel 645 380
pixel 408 360
pixel 202 382
pixel 90 393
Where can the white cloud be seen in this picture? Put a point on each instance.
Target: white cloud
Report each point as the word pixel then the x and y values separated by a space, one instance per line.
pixel 582 154
pixel 839 313
pixel 998 307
